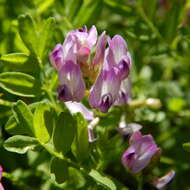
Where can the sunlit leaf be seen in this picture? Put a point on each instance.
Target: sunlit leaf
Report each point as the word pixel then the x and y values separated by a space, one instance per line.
pixel 102 180
pixel 46 37
pixel 23 116
pixel 20 144
pixel 42 127
pixel 28 33
pixel 87 12
pixel 20 84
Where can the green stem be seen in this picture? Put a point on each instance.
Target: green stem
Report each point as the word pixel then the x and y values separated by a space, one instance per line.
pixel 140 182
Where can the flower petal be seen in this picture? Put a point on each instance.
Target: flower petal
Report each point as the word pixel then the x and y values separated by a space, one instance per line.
pixel 124 93
pixel 1 187
pixel 100 49
pixel 105 90
pixel 163 181
pixel 56 57
pixel 75 107
pixel 137 135
pixel 118 46
pixel 92 37
pixel 71 82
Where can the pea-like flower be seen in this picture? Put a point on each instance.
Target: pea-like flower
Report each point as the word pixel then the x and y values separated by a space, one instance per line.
pixel 115 69
pixel 161 182
pixel 140 152
pixel 105 90
pixel 1 173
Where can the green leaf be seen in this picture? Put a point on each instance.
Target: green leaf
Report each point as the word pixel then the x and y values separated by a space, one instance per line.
pixel 20 84
pixel 15 57
pixel 28 33
pixel 186 146
pixel 44 6
pixel 172 18
pixel 64 132
pixel 20 62
pixel 12 127
pixel 46 37
pixel 80 145
pixel 23 116
pixel 71 8
pixel 118 7
pixel 20 144
pixel 102 180
pixel 42 125
pixel 88 11
pixel 150 3
pixel 60 170
pixel 76 179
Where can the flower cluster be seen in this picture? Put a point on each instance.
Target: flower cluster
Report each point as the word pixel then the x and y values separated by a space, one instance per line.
pixel 110 66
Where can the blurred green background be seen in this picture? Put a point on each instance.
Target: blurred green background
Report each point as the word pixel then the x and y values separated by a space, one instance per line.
pixel 158 37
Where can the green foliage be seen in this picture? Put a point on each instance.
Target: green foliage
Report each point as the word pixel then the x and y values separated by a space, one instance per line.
pixel 64 133
pixel 42 126
pixel 80 145
pixel 23 116
pixel 28 33
pixel 19 84
pixel 105 181
pixel 60 169
pixel 20 144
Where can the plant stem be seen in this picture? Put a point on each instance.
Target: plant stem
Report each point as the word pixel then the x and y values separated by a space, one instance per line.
pixel 140 182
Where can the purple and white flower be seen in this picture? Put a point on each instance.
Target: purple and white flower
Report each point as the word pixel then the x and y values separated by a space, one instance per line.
pixel 104 92
pixel 72 86
pixel 140 152
pixel 115 69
